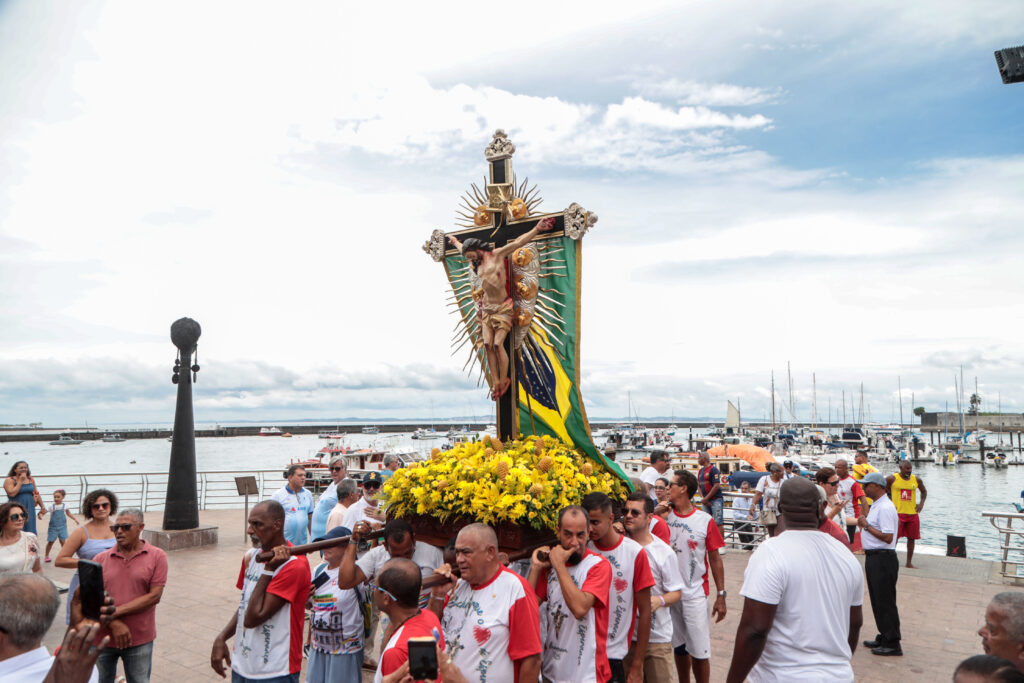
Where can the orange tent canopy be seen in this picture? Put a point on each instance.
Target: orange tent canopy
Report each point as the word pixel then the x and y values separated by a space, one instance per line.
pixel 757 457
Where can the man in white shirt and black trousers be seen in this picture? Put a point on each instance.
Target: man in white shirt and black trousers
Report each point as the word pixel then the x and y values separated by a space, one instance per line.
pixel 878 536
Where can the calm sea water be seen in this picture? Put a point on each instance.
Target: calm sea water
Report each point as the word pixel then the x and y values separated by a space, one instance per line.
pixel 956 495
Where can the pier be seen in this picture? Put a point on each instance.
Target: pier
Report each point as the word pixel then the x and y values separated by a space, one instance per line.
pixel 941 603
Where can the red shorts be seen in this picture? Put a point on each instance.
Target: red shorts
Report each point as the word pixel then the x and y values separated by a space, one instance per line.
pixel 910 526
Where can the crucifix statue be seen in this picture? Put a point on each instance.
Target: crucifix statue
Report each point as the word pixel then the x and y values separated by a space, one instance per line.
pixel 515 275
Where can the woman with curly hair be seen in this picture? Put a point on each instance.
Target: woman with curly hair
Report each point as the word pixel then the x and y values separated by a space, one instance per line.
pixel 21 488
pixel 93 537
pixel 19 549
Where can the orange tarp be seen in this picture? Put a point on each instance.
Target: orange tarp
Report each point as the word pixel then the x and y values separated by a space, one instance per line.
pixel 757 457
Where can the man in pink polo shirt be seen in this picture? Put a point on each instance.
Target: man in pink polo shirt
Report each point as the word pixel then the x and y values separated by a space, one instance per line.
pixel 134 574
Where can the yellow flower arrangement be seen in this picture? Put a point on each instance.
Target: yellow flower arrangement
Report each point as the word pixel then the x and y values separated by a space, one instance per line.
pixel 526 481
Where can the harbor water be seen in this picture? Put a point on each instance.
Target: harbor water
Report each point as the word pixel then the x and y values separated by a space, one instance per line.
pixel 956 495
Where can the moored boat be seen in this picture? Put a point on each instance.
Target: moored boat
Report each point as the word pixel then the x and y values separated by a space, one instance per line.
pixel 270 431
pixel 65 440
pixel 113 438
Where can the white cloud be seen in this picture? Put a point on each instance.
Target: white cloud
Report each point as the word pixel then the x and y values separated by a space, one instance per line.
pixel 706 94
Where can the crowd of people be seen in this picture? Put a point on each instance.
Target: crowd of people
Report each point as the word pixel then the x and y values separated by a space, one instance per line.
pixel 624 595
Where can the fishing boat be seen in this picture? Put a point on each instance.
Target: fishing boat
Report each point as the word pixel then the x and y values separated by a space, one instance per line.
pixel 270 431
pixel 113 438
pixel 372 429
pixel 427 434
pixel 65 440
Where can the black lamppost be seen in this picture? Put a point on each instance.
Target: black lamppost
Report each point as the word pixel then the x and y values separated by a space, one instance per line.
pixel 181 510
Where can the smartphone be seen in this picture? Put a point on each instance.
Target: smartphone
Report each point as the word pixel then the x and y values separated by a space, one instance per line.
pixel 423 659
pixel 320 580
pixel 90 581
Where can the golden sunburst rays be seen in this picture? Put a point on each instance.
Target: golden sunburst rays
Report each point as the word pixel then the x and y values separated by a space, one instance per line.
pixel 475 210
pixel 528 194
pixel 472 211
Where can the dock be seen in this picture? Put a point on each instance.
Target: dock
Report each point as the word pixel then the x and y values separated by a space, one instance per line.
pixel 941 603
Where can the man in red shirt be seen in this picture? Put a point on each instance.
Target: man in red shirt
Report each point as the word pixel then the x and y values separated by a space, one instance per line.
pixel 134 574
pixel 397 594
pixel 268 635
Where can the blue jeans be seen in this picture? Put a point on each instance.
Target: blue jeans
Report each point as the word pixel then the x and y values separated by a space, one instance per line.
pixel 138 663
pixel 715 508
pixel 239 678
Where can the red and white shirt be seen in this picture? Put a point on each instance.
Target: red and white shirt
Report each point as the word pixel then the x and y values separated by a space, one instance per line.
pixel 575 649
pixel 490 628
pixel 631 573
pixel 665 569
pixel 659 529
pixel 396 652
pixel 274 648
pixel 850 492
pixel 693 536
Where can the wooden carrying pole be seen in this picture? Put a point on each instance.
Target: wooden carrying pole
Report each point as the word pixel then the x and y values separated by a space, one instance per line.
pixel 307 548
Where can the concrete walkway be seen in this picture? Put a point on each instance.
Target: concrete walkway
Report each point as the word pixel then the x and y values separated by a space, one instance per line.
pixel 941 607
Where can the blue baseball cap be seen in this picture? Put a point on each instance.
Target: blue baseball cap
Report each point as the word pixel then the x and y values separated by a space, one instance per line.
pixel 336 532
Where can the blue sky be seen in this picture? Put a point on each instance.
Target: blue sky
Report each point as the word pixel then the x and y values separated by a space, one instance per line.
pixel 834 185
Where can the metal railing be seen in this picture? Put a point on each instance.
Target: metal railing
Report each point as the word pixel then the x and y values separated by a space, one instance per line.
pixel 1011 544
pixel 148 490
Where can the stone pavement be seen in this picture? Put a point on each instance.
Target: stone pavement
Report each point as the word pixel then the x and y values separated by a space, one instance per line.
pixel 941 607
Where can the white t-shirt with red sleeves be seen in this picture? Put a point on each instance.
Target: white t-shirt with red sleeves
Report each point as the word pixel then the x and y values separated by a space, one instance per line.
pixel 659 528
pixel 396 652
pixel 850 492
pixel 665 569
pixel 490 627
pixel 274 648
pixel 692 537
pixel 631 573
pixel 575 649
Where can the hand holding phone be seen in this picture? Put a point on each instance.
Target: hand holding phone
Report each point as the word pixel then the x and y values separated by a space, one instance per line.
pixel 90 576
pixel 423 659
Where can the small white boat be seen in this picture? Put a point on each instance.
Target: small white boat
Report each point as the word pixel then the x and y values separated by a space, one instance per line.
pixel 113 438
pixel 270 431
pixel 65 440
pixel 427 434
pixel 371 430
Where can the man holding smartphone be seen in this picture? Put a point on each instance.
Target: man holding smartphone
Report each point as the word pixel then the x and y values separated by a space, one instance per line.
pixel 491 621
pixel 396 593
pixel 134 574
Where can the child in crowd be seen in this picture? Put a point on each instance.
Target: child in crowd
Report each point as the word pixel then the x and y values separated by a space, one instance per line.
pixel 58 528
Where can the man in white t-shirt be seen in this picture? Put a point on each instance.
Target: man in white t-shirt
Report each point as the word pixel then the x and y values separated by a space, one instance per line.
pixel 366 509
pixel 573 585
pixel 659 466
pixel 348 493
pixel 695 539
pixel 490 620
pixel 882 567
pixel 658 663
pixel 629 603
pixel 803 592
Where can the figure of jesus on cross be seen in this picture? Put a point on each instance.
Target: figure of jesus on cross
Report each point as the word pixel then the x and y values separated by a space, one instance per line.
pixel 494 305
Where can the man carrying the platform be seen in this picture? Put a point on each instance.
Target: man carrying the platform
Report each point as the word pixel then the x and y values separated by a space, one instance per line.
pixel 494 309
pixel 630 596
pixel 657 469
pixel 695 541
pixel 298 505
pixel 366 509
pixel 902 489
pixel 399 542
pixel 491 620
pixel 881 566
pixel 803 593
pixel 396 593
pixel 709 481
pixel 573 585
pixel 268 624
pixel 658 664
pixel 855 503
pixel 1003 632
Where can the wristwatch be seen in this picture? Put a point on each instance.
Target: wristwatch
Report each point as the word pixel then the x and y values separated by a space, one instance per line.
pixel 722 594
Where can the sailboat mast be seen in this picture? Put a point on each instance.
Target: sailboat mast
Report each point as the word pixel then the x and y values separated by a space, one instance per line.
pixel 792 417
pixel 899 393
pixel 814 400
pixel 862 405
pixel 773 400
pixel 977 406
pixel 844 408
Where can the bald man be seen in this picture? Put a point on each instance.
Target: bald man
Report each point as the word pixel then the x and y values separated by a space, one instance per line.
pixel 396 593
pixel 491 620
pixel 803 592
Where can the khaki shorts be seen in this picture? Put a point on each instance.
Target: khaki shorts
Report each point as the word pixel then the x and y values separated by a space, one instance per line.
pixel 659 663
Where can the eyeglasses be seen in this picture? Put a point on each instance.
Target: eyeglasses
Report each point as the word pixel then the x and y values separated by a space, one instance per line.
pixel 385 592
pixel 15 516
pixel 100 506
pixel 339 468
pixel 122 527
pixel 633 512
pixel 833 482
pixel 371 485
pixel 660 488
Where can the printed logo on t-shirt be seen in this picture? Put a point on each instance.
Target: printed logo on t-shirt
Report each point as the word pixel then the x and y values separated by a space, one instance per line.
pixel 907 494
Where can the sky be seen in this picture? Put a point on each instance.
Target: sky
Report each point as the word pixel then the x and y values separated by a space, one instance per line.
pixel 833 186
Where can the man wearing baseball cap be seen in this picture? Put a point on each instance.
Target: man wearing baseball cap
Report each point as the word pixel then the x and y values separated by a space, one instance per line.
pixel 878 536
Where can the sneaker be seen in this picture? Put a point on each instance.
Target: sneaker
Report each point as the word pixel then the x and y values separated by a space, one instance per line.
pixel 46 560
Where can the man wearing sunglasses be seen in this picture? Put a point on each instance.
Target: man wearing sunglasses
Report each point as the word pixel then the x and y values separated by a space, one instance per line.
pixel 365 509
pixel 134 574
pixel 395 593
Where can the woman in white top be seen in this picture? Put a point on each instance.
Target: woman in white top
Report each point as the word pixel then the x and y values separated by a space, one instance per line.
pixel 768 490
pixel 741 518
pixel 19 550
